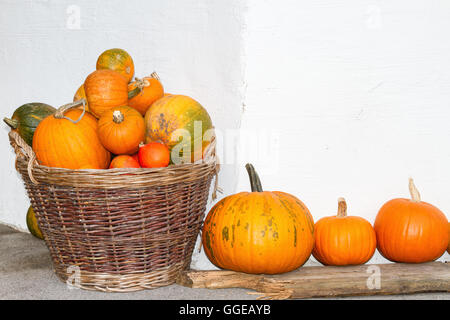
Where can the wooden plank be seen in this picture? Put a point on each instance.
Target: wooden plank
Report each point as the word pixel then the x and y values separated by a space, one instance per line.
pixel 327 281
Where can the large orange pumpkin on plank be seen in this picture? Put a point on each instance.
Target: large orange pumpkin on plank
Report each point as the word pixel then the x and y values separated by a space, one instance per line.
pixel 258 231
pixel 68 139
pixel 411 230
pixel 150 90
pixel 118 60
pixel 343 240
pixel 182 124
pixel 105 89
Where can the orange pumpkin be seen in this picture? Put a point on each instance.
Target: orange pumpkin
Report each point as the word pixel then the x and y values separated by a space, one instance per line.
pixel 105 89
pixel 343 240
pixel 68 139
pixel 81 94
pixel 121 130
pixel 258 231
pixel 150 89
pixel 124 161
pixel 118 60
pixel 411 230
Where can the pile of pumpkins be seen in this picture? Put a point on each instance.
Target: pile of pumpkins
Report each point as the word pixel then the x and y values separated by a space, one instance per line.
pixel 274 232
pixel 114 122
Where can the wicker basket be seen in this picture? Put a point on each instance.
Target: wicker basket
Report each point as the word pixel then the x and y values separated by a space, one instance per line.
pixel 119 229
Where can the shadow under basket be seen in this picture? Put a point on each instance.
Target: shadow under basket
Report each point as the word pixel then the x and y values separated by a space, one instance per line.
pixel 118 230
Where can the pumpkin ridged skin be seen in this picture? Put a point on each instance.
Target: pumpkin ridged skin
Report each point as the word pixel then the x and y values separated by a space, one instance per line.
pixel 410 230
pixel 32 224
pixel 343 240
pixel 121 137
pixel 105 89
pixel 27 117
pixel 259 232
pixel 81 94
pixel 118 60
pixel 63 144
pixel 152 90
pixel 170 113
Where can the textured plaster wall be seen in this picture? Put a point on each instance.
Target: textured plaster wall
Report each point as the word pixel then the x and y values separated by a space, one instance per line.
pixel 326 98
pixel 355 96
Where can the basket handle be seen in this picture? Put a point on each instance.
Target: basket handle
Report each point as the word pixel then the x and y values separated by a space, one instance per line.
pixel 22 149
pixel 211 156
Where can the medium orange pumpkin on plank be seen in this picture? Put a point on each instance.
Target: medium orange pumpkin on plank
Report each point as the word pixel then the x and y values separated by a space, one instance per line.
pixel 118 60
pixel 150 89
pixel 343 240
pixel 121 130
pixel 68 139
pixel 105 89
pixel 411 230
pixel 258 231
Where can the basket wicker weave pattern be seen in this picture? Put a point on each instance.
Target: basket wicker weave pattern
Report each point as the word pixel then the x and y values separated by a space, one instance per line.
pixel 124 229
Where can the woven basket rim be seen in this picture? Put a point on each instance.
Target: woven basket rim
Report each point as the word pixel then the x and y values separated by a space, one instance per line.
pixel 112 178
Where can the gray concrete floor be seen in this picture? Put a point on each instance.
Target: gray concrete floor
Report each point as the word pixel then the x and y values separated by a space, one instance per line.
pixel 26 273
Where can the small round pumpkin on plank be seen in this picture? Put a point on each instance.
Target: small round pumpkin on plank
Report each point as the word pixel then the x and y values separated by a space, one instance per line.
pixel 342 240
pixel 411 230
pixel 259 231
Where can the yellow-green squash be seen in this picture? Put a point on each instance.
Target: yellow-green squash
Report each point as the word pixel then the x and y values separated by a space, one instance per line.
pixel 32 224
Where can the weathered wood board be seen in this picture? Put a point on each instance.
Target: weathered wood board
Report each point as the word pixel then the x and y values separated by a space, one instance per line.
pixel 327 281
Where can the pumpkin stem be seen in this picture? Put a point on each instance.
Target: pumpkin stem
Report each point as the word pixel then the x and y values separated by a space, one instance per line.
pixel 13 123
pixel 342 208
pixel 155 76
pixel 255 183
pixel 59 114
pixel 415 195
pixel 117 116
pixel 133 93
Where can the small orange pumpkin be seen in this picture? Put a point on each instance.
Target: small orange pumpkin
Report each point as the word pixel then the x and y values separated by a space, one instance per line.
pixel 68 139
pixel 121 130
pixel 343 240
pixel 105 89
pixel 118 60
pixel 150 89
pixel 411 230
pixel 258 231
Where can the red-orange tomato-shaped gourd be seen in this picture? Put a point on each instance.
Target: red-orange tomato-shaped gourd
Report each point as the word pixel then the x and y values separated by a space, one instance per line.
pixel 154 155
pixel 124 161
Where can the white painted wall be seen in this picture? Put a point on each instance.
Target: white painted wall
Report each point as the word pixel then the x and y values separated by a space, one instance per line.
pixel 357 94
pixel 342 98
